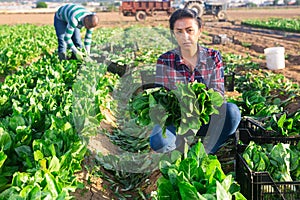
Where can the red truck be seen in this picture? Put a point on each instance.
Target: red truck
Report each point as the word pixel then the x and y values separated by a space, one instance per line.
pixel 141 9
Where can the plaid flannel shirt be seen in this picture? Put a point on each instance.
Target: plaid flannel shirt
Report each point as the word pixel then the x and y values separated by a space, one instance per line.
pixel 171 69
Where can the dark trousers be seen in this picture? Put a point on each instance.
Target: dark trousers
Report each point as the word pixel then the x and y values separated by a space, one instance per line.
pixel 219 129
pixel 60 29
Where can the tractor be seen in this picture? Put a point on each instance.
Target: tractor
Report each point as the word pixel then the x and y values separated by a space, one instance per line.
pixel 215 8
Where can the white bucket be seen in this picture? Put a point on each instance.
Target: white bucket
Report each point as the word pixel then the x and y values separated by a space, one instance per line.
pixel 275 58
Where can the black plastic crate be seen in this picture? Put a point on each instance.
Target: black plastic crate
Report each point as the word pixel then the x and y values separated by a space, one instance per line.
pixel 117 69
pixel 229 81
pixel 251 130
pixel 261 186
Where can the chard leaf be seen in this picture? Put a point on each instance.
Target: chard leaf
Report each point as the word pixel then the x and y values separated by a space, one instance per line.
pixel 39 176
pixel 234 188
pixel 281 120
pixel 211 188
pixel 5 140
pixel 295 157
pixel 172 174
pixel 152 101
pixel 205 118
pixel 289 123
pixel 166 191
pixel 164 166
pixel 188 191
pixel 54 165
pixel 3 182
pixel 201 97
pixel 209 197
pixel 25 153
pixel 51 185
pixel 175 156
pixel 20 179
pixel 181 177
pixel 25 191
pixel 216 98
pixel 189 167
pixel 239 196
pixel 35 193
pixel 3 157
pixel 201 188
pixel 221 192
pixel 38 155
pixel 226 183
pixel 78 150
pixel 197 152
pixel 158 114
pixel 15 121
pixel 212 168
pixel 11 194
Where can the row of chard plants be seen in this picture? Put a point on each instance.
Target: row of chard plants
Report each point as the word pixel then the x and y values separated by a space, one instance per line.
pixel 20 44
pixel 49 109
pixel 282 24
pixel 40 131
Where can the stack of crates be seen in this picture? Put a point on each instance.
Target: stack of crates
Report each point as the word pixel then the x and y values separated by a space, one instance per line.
pixel 260 185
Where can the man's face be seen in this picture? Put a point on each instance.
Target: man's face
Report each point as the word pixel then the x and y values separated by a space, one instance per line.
pixel 186 32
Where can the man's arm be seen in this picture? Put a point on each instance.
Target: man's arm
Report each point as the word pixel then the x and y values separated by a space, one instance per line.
pixel 69 32
pixel 88 40
pixel 217 78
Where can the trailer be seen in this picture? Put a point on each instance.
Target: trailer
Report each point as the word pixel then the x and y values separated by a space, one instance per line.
pixel 141 9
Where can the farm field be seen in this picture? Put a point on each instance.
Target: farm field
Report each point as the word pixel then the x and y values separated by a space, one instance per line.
pixel 247 42
pixel 259 39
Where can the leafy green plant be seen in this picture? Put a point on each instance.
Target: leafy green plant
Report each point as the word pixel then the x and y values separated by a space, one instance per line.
pixel 234 61
pixel 20 44
pixel 41 4
pixel 246 44
pixel 195 175
pixel 284 24
pixel 160 106
pixel 284 125
pixel 264 94
pixel 280 160
pixel 40 149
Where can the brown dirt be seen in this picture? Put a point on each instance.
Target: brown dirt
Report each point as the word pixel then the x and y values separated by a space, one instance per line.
pixel 257 40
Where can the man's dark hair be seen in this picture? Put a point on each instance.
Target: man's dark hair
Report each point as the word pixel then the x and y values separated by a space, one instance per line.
pixel 92 20
pixel 184 13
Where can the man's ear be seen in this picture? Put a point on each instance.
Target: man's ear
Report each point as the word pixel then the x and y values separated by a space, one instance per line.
pixel 201 29
pixel 200 32
pixel 83 21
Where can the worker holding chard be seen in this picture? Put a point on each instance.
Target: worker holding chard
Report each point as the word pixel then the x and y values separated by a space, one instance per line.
pixel 190 62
